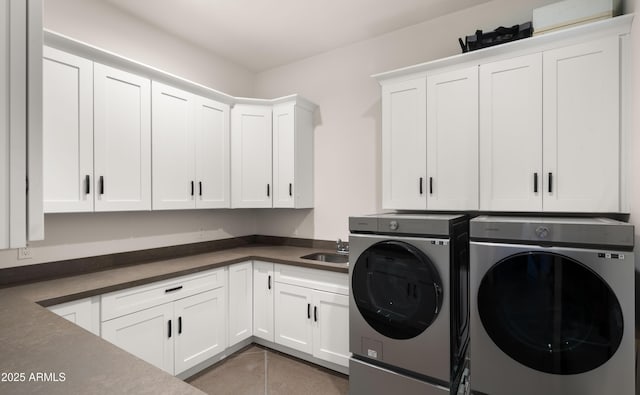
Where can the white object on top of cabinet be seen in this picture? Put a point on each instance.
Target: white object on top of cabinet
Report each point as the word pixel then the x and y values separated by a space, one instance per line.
pixel 251 155
pixel 21 216
pixel 189 171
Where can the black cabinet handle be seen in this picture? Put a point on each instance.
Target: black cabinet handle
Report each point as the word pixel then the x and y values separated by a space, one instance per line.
pixel 200 187
pixel 430 185
pixel 169 328
pixel 179 325
pixel 192 188
pixel 87 184
pixel 290 189
pixel 268 190
pixel 550 182
pixel 269 282
pixel 535 182
pixel 315 313
pixel 420 185
pixel 173 289
pixel 308 310
pixel 102 185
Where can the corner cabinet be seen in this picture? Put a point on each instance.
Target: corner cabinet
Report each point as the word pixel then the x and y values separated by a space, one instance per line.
pixel 83 312
pixel 263 300
pixel 190 150
pixel 538 125
pixel 240 302
pixel 272 154
pixel 251 153
pixel 21 216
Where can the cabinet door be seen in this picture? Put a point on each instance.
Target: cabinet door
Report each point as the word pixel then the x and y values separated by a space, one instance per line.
pixel 284 135
pixel 240 302
pixel 452 140
pixel 212 154
pixel 293 316
pixel 84 312
pixel 122 140
pixel 510 134
pixel 263 284
pixel 67 132
pixel 582 127
pixel 147 334
pixel 173 148
pixel 251 156
pixel 404 144
pixel 200 330
pixel 331 327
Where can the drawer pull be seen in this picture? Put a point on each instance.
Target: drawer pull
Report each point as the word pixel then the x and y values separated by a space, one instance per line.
pixel 173 289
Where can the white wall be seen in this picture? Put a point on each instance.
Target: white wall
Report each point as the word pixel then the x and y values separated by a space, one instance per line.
pixel 105 26
pixel 347 141
pixel 70 236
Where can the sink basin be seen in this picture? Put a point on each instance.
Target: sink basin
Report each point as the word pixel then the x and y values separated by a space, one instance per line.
pixel 327 257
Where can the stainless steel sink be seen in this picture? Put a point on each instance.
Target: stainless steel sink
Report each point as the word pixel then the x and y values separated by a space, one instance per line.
pixel 327 257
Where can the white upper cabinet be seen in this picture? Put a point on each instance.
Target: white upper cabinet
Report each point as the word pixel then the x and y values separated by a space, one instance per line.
pixel 122 140
pixel 173 147
pixel 452 140
pixel 404 144
pixel 251 156
pixel 97 136
pixel 212 154
pixel 21 216
pixel 67 132
pixel 581 135
pixel 292 156
pixel 511 134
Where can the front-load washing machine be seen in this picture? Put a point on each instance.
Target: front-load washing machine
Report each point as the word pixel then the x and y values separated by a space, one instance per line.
pixel 408 314
pixel 552 306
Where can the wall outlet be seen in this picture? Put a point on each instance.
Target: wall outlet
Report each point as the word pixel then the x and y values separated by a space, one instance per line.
pixel 24 253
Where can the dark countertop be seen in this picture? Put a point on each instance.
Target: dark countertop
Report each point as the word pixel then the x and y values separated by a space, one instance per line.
pixel 34 340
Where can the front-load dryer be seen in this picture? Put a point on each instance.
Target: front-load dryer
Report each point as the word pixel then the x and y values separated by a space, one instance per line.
pixel 408 320
pixel 552 306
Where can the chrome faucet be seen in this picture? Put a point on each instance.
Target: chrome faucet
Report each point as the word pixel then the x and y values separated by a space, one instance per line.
pixel 342 247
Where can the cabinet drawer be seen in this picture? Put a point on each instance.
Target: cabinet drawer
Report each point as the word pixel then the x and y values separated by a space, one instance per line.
pixel 312 278
pixel 130 300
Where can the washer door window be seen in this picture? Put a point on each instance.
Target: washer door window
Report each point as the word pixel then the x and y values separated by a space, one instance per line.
pixel 550 313
pixel 397 289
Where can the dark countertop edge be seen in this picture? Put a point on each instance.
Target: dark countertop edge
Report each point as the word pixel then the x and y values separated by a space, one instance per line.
pixel 182 272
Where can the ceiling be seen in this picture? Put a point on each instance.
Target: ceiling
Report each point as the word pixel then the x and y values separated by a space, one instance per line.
pixel 262 34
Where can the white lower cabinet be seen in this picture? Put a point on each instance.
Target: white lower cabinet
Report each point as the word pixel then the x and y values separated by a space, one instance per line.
pixel 263 300
pixel 176 325
pixel 310 319
pixel 83 312
pixel 240 302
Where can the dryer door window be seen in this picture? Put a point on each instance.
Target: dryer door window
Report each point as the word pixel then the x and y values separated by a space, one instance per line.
pixel 397 289
pixel 550 313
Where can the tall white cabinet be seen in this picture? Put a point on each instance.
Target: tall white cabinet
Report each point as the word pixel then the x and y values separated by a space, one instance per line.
pixel 263 300
pixel 21 216
pixel 240 302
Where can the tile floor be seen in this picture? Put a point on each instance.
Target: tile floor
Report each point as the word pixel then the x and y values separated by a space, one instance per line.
pixel 260 371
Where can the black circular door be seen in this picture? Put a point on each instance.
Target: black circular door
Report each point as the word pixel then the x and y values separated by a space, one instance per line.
pixel 397 289
pixel 550 312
